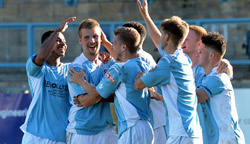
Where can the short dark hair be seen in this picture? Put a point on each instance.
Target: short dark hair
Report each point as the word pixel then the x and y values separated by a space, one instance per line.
pixel 46 35
pixel 88 24
pixel 215 41
pixel 177 28
pixel 140 29
pixel 128 36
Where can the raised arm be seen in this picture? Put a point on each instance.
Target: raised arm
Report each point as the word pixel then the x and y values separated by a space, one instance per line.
pixel 154 32
pixel 106 43
pixel 48 45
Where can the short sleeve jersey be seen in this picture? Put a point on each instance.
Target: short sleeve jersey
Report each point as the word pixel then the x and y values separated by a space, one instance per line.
pixel 47 116
pixel 157 107
pixel 94 119
pixel 222 107
pixel 174 74
pixel 130 105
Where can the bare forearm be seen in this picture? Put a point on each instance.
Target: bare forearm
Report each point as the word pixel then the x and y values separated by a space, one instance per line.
pixel 108 46
pixel 201 95
pixel 46 49
pixel 154 32
pixel 139 85
pixel 89 88
pixel 87 100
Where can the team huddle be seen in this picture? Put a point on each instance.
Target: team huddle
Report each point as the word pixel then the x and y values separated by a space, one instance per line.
pixel 185 98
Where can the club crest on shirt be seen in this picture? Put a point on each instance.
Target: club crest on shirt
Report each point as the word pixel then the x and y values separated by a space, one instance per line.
pixel 101 86
pixel 110 77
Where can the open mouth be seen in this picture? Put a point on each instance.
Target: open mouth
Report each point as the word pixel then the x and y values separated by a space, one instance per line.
pixel 93 47
pixel 61 49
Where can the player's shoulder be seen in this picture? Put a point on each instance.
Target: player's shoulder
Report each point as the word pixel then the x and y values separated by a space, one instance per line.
pixel 78 61
pixel 166 59
pixel 117 66
pixel 213 78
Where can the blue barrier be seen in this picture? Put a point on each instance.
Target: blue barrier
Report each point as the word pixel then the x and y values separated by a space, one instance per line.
pixel 1 3
pixel 109 27
pixel 13 109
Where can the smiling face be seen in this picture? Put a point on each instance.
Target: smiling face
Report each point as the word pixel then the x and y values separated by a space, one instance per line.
pixel 203 55
pixel 117 48
pixel 90 40
pixel 60 46
pixel 191 43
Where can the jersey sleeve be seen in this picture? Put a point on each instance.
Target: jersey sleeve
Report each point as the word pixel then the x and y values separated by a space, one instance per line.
pixel 159 75
pixel 109 82
pixel 75 87
pixel 111 62
pixel 33 69
pixel 212 85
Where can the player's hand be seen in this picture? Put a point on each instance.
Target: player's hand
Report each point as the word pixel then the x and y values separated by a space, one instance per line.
pixel 104 57
pixel 222 66
pixel 143 8
pixel 88 100
pixel 77 77
pixel 64 25
pixel 152 89
pixel 103 38
pixel 155 94
pixel 77 102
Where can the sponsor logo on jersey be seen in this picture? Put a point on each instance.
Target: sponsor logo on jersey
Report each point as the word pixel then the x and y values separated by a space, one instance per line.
pixel 55 85
pixel 110 77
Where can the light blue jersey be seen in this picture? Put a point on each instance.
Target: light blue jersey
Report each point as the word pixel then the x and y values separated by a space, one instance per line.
pixel 47 116
pixel 199 74
pixel 130 105
pixel 175 76
pixel 157 107
pixel 209 128
pixel 222 108
pixel 94 119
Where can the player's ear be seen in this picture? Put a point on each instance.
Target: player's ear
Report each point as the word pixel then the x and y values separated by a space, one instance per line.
pixel 167 37
pixel 200 43
pixel 79 40
pixel 212 54
pixel 124 47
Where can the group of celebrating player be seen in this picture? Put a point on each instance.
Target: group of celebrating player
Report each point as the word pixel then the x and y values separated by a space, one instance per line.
pixel 186 98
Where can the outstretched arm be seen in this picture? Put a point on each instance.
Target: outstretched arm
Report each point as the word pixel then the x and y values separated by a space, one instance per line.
pixel 154 32
pixel 106 43
pixel 48 45
pixel 138 84
pixel 92 95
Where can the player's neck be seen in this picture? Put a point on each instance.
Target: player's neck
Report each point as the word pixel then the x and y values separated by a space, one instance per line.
pixel 171 48
pixel 194 59
pixel 54 61
pixel 91 58
pixel 126 56
pixel 209 67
